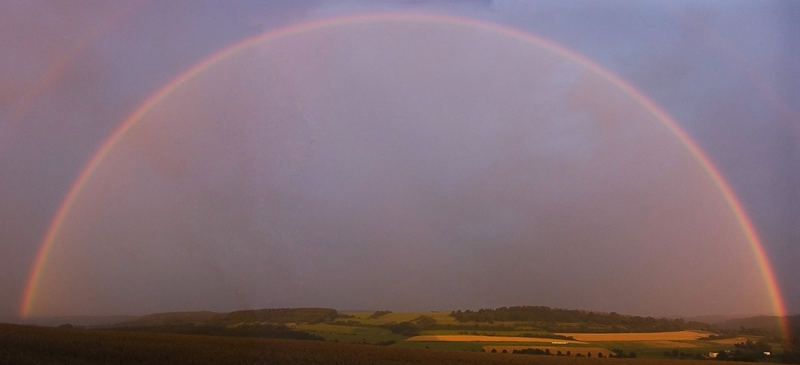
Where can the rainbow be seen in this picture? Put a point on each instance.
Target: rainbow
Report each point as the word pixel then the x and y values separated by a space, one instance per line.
pixel 727 192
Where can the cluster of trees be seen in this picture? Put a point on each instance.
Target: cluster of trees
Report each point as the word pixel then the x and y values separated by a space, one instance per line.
pixel 547 351
pixel 747 351
pixel 531 351
pixel 535 351
pixel 412 327
pixel 617 352
pixel 555 319
pixel 677 354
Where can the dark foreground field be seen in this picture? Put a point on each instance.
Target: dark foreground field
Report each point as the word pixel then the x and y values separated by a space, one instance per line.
pixel 43 345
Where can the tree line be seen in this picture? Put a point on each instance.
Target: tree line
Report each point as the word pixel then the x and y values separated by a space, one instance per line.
pixel 556 319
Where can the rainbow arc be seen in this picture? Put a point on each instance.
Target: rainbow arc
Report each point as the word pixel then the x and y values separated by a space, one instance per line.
pixel 755 244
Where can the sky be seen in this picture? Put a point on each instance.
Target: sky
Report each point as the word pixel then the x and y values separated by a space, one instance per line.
pixel 403 164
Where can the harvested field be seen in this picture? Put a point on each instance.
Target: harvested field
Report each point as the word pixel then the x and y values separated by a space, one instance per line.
pixel 573 351
pixel 474 338
pixel 644 336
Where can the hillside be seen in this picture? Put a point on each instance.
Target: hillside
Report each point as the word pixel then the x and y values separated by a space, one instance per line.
pixel 771 324
pixel 79 321
pixel 255 316
pixel 171 318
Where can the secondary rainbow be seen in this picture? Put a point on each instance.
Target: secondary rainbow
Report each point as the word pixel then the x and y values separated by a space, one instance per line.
pixel 733 202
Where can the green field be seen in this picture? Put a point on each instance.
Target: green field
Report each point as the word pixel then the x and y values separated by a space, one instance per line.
pixel 351 334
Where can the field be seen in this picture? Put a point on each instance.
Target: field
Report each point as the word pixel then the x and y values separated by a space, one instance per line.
pixel 646 344
pixel 730 341
pixel 350 334
pixel 39 345
pixel 474 338
pixel 676 344
pixel 271 336
pixel 645 336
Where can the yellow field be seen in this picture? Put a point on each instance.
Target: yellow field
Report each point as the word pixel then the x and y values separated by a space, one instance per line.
pixel 574 351
pixel 645 336
pixel 473 338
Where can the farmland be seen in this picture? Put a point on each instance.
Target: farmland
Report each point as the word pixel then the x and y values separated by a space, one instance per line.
pixel 642 336
pixel 475 338
pixel 39 345
pixel 253 335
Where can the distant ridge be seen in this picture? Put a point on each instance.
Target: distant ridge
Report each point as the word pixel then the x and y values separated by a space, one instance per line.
pixel 771 323
pixel 79 321
pixel 171 318
pixel 252 316
pixel 713 319
pixel 283 316
pixel 759 324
